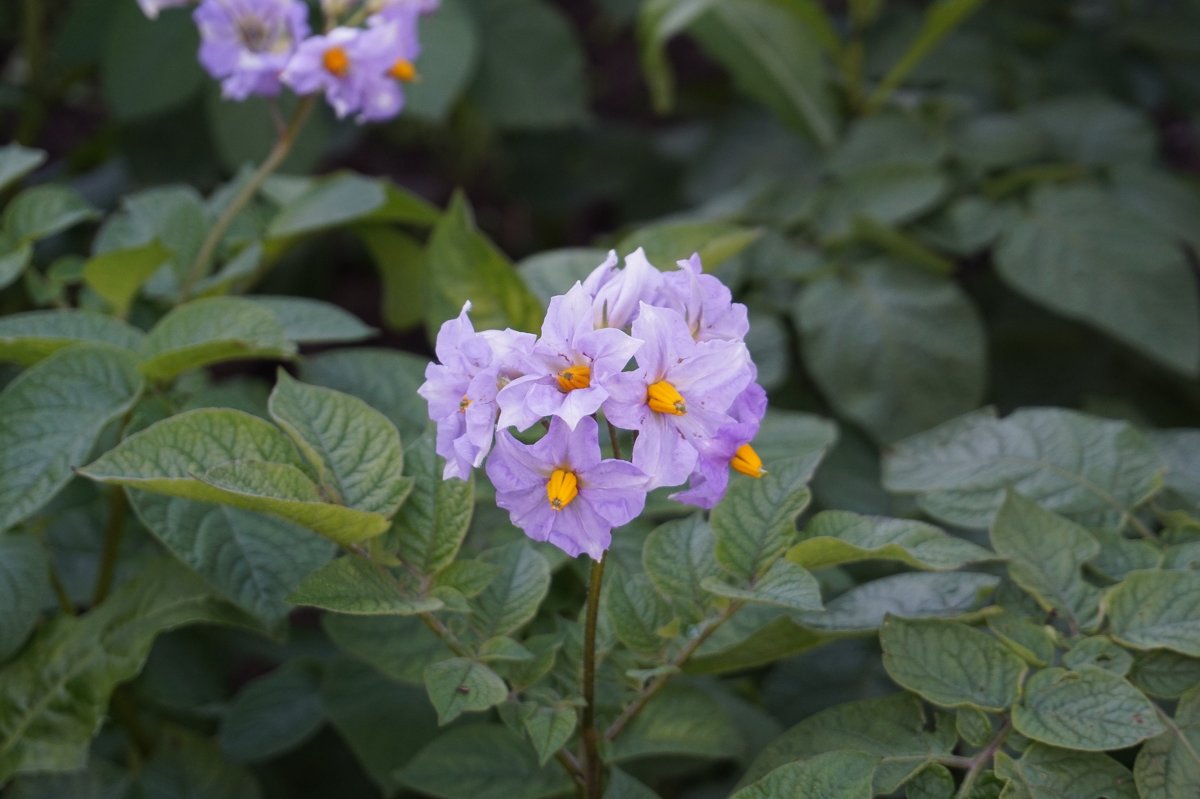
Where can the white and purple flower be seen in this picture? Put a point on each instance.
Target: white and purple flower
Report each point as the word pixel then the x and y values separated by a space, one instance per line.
pixel 705 303
pixel 569 368
pixel 246 44
pixel 560 490
pixel 618 293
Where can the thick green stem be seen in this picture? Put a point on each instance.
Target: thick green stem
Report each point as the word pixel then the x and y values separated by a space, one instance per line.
pixel 117 513
pixel 279 153
pixel 591 736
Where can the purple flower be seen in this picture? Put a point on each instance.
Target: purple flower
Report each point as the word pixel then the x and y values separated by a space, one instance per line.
pixel 397 9
pixel 705 302
pixel 617 293
pixel 569 367
pixel 151 7
pixel 461 389
pixel 559 490
pixel 678 396
pixel 360 70
pixel 247 43
pixel 728 449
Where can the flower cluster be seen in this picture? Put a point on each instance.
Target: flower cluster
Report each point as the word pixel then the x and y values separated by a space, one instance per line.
pixel 661 354
pixel 256 47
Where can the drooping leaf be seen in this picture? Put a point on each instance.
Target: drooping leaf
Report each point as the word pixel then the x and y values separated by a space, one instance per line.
pixel 482 761
pixel 434 520
pixel 756 521
pixel 460 685
pixel 1157 610
pixel 308 321
pixel 1091 470
pixel 273 714
pixel 212 330
pixel 830 775
pixel 915 595
pixel 352 585
pixel 1091 710
pixel 950 664
pixel 835 537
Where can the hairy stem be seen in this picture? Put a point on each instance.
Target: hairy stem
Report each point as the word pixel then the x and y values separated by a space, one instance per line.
pixel 658 683
pixel 118 510
pixel 982 760
pixel 612 437
pixel 591 736
pixel 283 146
pixel 571 765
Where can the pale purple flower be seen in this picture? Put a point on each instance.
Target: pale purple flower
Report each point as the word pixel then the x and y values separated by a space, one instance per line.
pixel 151 8
pixel 360 70
pixel 618 293
pixel 705 302
pixel 461 389
pixel 560 490
pixel 399 9
pixel 247 43
pixel 707 484
pixel 679 395
pixel 569 367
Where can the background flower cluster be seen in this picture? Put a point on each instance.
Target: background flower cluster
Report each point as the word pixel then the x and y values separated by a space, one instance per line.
pixel 360 62
pixel 692 399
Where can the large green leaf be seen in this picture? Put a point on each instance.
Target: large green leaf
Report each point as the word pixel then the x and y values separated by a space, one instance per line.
pixel 635 611
pixel 1043 772
pixel 1080 254
pixel 756 521
pixel 459 685
pixel 830 775
pixel 1157 609
pixel 308 321
pixel 43 211
pixel 353 448
pixel 482 761
pixel 26 338
pixel 1163 673
pixel 386 380
pixel 756 635
pixel 1095 130
pixel 53 698
pixel 893 348
pixel 951 664
pixel 434 520
pixel 912 595
pixel 465 266
pixel 514 594
pixel 329 203
pixel 1168 767
pixel 232 458
pixel 209 331
pixel 398 646
pixel 117 275
pixel 1091 470
pixel 784 584
pixel 836 537
pixel 678 556
pixel 51 417
pixel 882 194
pixel 24 585
pixel 352 585
pixel 274 713
pixel 682 720
pixel 1046 554
pixel 1091 710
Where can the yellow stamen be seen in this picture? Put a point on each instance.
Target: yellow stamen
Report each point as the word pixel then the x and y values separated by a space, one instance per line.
pixel 562 488
pixel 746 461
pixel 574 377
pixel 464 403
pixel 336 62
pixel 663 397
pixel 403 70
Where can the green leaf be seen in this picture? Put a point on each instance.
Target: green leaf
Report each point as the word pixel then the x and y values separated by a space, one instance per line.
pixel 681 720
pixel 1088 469
pixel 353 448
pixel 1157 609
pixel 950 664
pixel 253 559
pixel 54 697
pixel 914 596
pixel 756 635
pixel 398 646
pixel 657 22
pixel 212 330
pixel 431 525
pixel 459 685
pixel 242 132
pixel 785 433
pixel 136 47
pixel 546 86
pixel 514 594
pixel 187 766
pixel 26 338
pixel 43 211
pixel 16 162
pixel 468 267
pixel 308 321
pixel 893 348
pixel 1095 130
pixel 1163 673
pixel 1031 641
pixel 352 585
pixel 933 782
pixel 50 418
pixel 549 729
pixel 1091 710
pixel 1168 766
pixel 1161 200
pixel 678 556
pixel 938 21
pixel 400 259
pixel 623 786
pixel 831 775
pixel 99 780
pixel 555 271
pixel 1046 553
pixel 1081 255
pixel 784 584
pixel 836 537
pixel 887 139
pixel 636 612
pixel 482 761
pixel 1043 772
pixel 1098 652
pixel 118 275
pixel 893 728
pixel 174 456
pixel 756 521
pixel 274 714
pixel 24 587
pixel 14 262
pixel 329 203
pixel 386 380
pixel 668 242
pixel 449 55
pixel 775 57
pixel 885 194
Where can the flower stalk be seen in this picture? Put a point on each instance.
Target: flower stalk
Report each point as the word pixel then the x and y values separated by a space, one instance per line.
pixel 591 735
